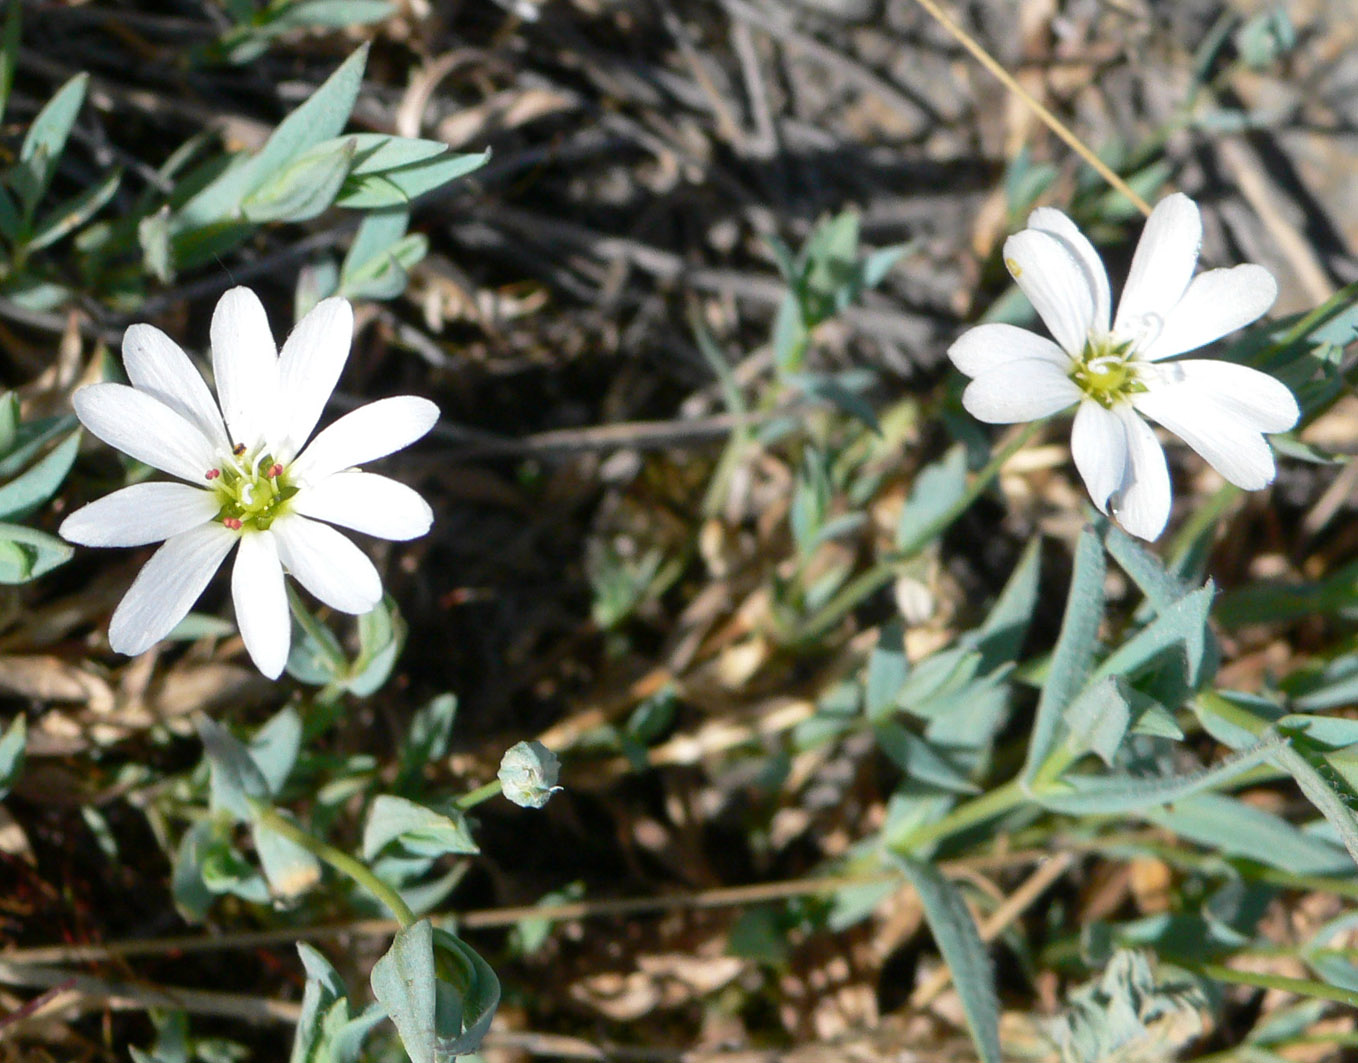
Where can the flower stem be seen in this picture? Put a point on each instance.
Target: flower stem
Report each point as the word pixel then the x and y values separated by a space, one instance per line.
pixel 339 860
pixel 882 573
pixel 1053 123
pixel 481 793
pixel 977 810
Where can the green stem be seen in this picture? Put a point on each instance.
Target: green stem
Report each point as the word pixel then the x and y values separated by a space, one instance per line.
pixel 977 810
pixel 481 793
pixel 881 574
pixel 340 861
pixel 1304 987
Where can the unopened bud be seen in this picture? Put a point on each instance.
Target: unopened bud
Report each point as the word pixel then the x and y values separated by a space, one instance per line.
pixel 528 774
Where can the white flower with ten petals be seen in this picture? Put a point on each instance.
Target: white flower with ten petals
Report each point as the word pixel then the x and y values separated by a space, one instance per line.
pixel 1116 371
pixel 248 478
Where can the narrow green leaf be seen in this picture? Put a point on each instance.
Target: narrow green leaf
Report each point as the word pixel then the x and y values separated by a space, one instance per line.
pixel 338 13
pixel 37 553
pixel 1098 717
pixel 304 189
pixel 1074 652
pixel 9 422
pixel 960 943
pixel 72 214
pixel 403 983
pixel 13 747
pixel 1111 794
pixel 888 669
pixel 365 190
pixel 38 484
pixel 1161 588
pixel 1182 625
pixel 321 118
pixel 1237 829
pixel 46 140
pixel 9 51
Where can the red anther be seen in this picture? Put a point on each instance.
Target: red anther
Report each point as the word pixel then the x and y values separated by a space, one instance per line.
pixel 275 470
pixel 212 474
pixel 232 523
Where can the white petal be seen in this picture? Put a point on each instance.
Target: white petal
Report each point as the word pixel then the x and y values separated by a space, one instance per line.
pixel 1216 303
pixel 1262 401
pixel 1161 268
pixel 158 366
pixel 368 433
pixel 308 369
pixel 140 514
pixel 368 503
pixel 1229 442
pixel 147 429
pixel 327 564
pixel 167 586
pixel 1098 443
pixel 1142 506
pixel 1055 283
pixel 1051 220
pixel 986 346
pixel 245 363
pixel 1022 390
pixel 261 603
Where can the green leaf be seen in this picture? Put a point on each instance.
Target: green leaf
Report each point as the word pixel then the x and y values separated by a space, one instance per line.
pixel 1182 625
pixel 469 993
pixel 306 188
pixel 235 777
pixel 74 212
pixel 13 747
pixel 841 391
pixel 919 761
pixel 1098 717
pixel 936 489
pixel 422 831
pixel 191 894
pixel 31 439
pixel 430 734
pixel 1161 588
pixel 324 988
pixel 275 746
pixel 153 235
pixel 1074 653
pixel 38 484
pixel 401 185
pixel 338 13
pixel 321 118
pixel 403 983
pixel 26 554
pixel 1237 829
pixel 1111 794
pixel 289 868
pixel 46 140
pixel 9 422
pixel 888 669
pixel 9 51
pixel 963 951
pixel 381 634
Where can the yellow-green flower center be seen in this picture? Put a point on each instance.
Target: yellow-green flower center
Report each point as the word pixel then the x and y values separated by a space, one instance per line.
pixel 253 491
pixel 1106 372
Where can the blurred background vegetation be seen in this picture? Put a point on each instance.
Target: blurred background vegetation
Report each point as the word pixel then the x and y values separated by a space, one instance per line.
pixel 699 490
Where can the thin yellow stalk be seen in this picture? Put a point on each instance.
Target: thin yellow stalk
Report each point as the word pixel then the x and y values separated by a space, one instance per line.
pixel 1030 101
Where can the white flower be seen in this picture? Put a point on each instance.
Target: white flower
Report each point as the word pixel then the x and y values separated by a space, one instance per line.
pixel 248 479
pixel 1117 373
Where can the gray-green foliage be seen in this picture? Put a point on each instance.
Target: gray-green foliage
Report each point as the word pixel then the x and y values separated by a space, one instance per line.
pixel 1126 1016
pixel 35 457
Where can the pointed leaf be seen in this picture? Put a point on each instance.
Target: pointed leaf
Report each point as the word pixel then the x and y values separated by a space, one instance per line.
pixel 403 983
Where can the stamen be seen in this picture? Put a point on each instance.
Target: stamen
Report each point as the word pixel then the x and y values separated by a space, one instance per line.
pixel 238 449
pixel 232 522
pixel 212 474
pixel 275 471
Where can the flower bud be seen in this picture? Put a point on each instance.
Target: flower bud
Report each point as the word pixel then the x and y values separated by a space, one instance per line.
pixel 528 774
